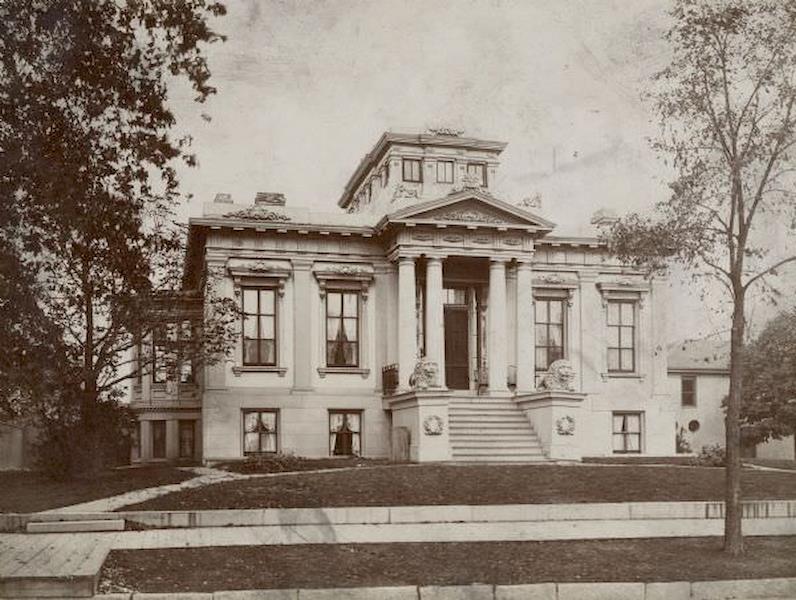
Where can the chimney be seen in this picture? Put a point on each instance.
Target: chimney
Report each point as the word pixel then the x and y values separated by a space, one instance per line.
pixel 223 198
pixel 604 217
pixel 269 198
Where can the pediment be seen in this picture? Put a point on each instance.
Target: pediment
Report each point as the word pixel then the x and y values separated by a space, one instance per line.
pixel 470 209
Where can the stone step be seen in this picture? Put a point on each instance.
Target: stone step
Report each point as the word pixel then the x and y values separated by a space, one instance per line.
pixel 493 458
pixel 75 526
pixel 495 445
pixel 502 422
pixel 465 434
pixel 476 410
pixel 507 416
pixel 496 452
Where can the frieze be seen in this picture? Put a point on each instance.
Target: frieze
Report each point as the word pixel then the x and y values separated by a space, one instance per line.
pixel 482 240
pixel 423 237
pixel 258 213
pixel 453 238
pixel 512 241
pixel 469 216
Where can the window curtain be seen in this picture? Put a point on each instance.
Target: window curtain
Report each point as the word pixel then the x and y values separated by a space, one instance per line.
pixel 259 432
pixel 344 430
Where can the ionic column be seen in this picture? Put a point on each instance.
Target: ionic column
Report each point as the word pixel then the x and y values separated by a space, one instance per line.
pixel 525 328
pixel 435 319
pixel 407 320
pixel 496 326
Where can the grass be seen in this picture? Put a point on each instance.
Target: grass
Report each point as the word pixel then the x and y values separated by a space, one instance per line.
pixel 27 491
pixel 475 484
pixel 357 565
pixel 287 463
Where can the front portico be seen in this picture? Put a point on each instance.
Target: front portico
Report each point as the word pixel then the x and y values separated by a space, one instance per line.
pixel 465 309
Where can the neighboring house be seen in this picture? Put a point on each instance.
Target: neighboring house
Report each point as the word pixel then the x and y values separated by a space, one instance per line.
pixel 420 321
pixel 699 377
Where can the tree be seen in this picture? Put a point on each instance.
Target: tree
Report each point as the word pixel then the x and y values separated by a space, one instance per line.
pixel 88 186
pixel 726 109
pixel 769 383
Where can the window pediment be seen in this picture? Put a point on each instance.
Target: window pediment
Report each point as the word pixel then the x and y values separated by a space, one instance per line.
pixel 254 272
pixel 344 276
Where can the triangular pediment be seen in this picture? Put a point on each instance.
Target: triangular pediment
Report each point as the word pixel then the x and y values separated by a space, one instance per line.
pixel 470 208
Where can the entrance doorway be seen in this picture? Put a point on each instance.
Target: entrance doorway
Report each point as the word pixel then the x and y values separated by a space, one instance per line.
pixel 457 358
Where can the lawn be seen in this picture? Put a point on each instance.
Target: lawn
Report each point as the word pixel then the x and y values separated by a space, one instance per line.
pixel 285 463
pixel 356 565
pixel 475 484
pixel 25 492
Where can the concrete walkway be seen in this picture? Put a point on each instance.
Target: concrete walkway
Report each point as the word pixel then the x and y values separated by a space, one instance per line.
pixel 205 476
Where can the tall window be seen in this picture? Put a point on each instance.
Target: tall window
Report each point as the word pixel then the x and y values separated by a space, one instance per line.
pixel 688 390
pixel 259 326
pixel 627 432
pixel 345 431
pixel 187 434
pixel 412 171
pixel 621 336
pixel 259 431
pixel 342 329
pixel 163 357
pixel 158 439
pixel 549 320
pixel 445 171
pixel 385 174
pixel 479 171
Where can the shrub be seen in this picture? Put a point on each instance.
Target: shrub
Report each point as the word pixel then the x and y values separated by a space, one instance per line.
pixel 72 443
pixel 711 456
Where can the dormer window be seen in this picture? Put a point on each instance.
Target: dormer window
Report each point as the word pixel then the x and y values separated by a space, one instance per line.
pixel 445 171
pixel 477 170
pixel 412 171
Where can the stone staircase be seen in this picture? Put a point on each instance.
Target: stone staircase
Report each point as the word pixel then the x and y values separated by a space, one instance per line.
pixel 485 429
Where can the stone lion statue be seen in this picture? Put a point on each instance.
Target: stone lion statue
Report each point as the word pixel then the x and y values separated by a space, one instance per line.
pixel 560 376
pixel 424 375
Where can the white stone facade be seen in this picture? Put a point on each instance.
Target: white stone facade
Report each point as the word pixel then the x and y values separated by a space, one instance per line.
pixel 482 289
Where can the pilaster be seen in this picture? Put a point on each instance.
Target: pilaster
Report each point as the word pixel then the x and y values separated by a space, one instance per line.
pixel 525 328
pixel 302 340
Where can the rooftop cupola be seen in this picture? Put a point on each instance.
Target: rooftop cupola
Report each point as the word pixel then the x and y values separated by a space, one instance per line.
pixel 407 168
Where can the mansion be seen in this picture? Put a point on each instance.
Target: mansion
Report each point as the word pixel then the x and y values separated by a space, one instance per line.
pixel 427 319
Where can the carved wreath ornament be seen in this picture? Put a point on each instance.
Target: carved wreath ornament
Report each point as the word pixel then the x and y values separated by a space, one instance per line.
pixel 565 425
pixel 433 425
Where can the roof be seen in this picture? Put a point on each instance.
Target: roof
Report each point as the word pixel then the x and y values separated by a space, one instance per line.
pixel 708 355
pixel 422 139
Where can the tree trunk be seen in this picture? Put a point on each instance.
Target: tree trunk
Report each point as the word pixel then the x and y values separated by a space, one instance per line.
pixel 733 537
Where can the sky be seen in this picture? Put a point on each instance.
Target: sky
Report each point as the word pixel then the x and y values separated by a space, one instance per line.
pixel 305 88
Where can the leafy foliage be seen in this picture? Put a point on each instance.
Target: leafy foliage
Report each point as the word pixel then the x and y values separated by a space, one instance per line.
pixel 769 406
pixel 88 186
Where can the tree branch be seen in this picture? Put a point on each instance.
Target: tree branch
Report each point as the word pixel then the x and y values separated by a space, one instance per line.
pixel 770 269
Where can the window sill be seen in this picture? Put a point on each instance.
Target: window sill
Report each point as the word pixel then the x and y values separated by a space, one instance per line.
pixel 323 371
pixel 237 370
pixel 620 375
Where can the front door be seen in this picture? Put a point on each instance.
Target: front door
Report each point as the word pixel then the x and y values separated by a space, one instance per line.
pixel 457 368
